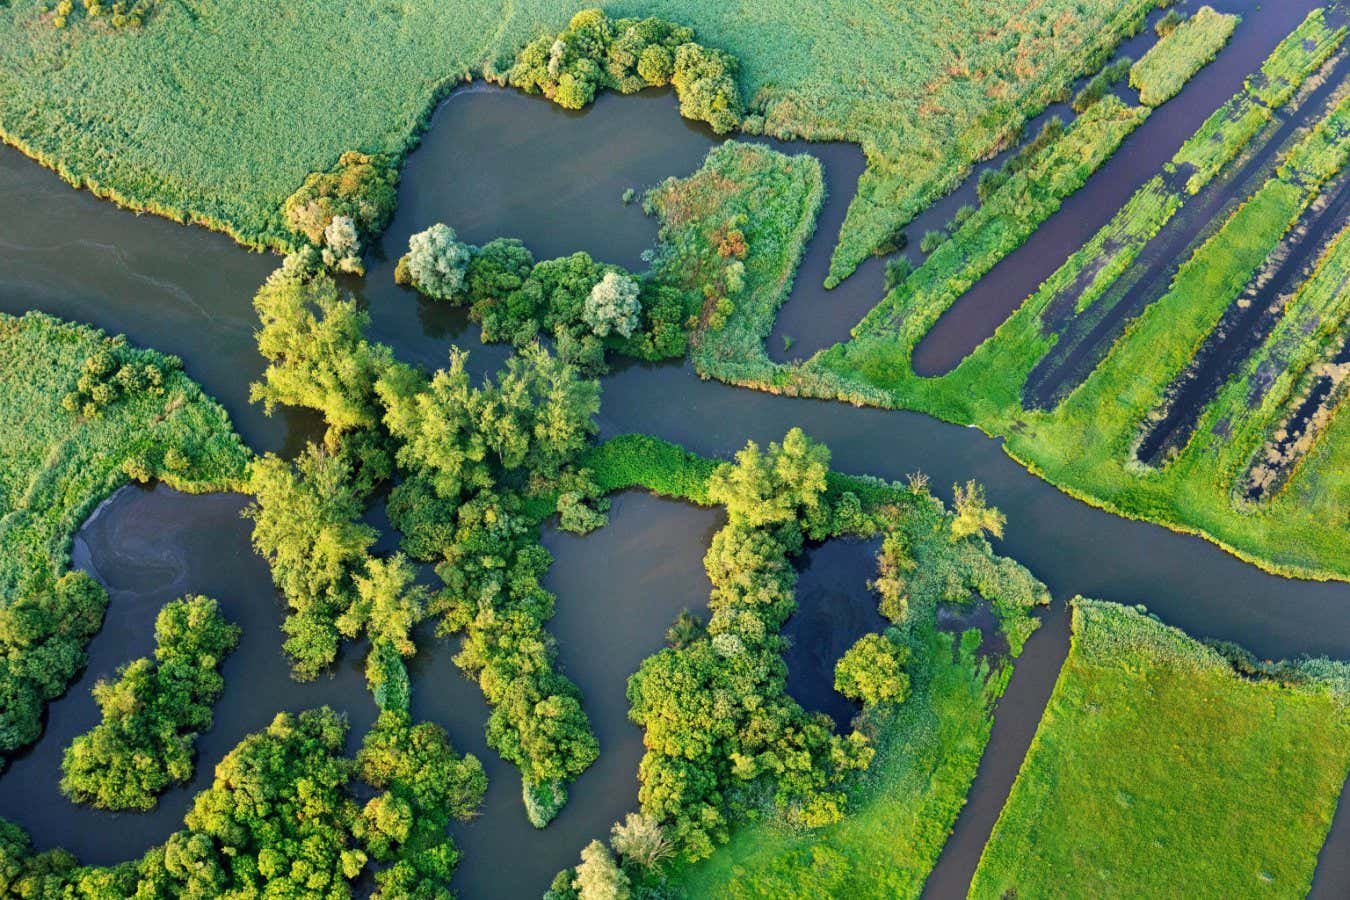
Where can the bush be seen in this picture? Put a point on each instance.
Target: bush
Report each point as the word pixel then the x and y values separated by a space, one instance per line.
pixel 362 187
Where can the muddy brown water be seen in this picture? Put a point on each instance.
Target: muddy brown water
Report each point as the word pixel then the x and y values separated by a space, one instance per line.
pixel 188 292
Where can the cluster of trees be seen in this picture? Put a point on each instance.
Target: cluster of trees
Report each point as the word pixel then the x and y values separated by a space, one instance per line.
pixel 472 455
pixel 720 727
pixel 44 627
pixel 423 784
pixel 585 305
pixel 280 820
pixel 627 55
pixel 153 712
pixel 116 372
pixel 468 460
pixel 276 822
pixel 119 14
pixel 339 209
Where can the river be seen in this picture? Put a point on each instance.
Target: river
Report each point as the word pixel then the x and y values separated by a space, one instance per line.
pixel 495 163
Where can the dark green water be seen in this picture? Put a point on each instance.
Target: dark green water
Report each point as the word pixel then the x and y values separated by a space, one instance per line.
pixel 494 164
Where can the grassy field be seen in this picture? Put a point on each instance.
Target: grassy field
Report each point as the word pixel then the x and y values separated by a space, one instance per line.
pixel 928 747
pixel 83 414
pixel 55 465
pixel 1159 770
pixel 1170 63
pixel 214 111
pixel 1085 444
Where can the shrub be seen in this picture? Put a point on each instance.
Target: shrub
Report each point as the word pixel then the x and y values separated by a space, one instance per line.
pixel 361 187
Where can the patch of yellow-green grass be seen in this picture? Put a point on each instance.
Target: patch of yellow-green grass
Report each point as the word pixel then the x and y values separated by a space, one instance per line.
pixel 215 110
pixel 1159 770
pixel 1312 44
pixel 1085 445
pixel 1183 51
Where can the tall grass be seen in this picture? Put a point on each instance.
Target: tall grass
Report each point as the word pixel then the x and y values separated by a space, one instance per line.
pixel 214 111
pixel 1179 54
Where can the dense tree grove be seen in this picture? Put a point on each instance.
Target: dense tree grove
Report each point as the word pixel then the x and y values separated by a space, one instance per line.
pixel 468 459
pixel 720 727
pixel 423 785
pixel 471 454
pixel 276 822
pixel 306 524
pixel 44 627
pixel 587 306
pixel 153 712
pixel 627 55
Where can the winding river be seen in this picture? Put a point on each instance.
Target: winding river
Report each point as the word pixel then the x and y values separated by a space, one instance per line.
pixel 495 163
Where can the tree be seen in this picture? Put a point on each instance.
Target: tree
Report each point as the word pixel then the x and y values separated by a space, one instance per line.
pixel 342 246
pixel 773 488
pixel 387 605
pixel 640 839
pixel 598 877
pixel 153 712
pixel 973 515
pixel 705 80
pixel 306 525
pixel 317 351
pixel 436 263
pixel 872 671
pixel 893 564
pixel 686 629
pixel 613 306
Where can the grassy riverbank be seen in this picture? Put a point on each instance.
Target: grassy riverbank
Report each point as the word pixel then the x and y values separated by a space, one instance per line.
pixel 1083 439
pixel 215 111
pixel 928 747
pixel 83 414
pixel 1160 770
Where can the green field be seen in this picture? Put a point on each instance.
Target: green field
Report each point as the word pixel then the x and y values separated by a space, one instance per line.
pixel 122 113
pixel 1085 444
pixel 1160 770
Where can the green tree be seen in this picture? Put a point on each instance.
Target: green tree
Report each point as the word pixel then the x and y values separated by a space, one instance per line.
pixel 306 524
pixel 598 877
pixel 153 712
pixel 436 263
pixel 872 671
pixel 317 353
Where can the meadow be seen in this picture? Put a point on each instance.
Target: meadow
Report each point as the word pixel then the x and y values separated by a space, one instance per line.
pixel 121 111
pixel 1129 790
pixel 1082 437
